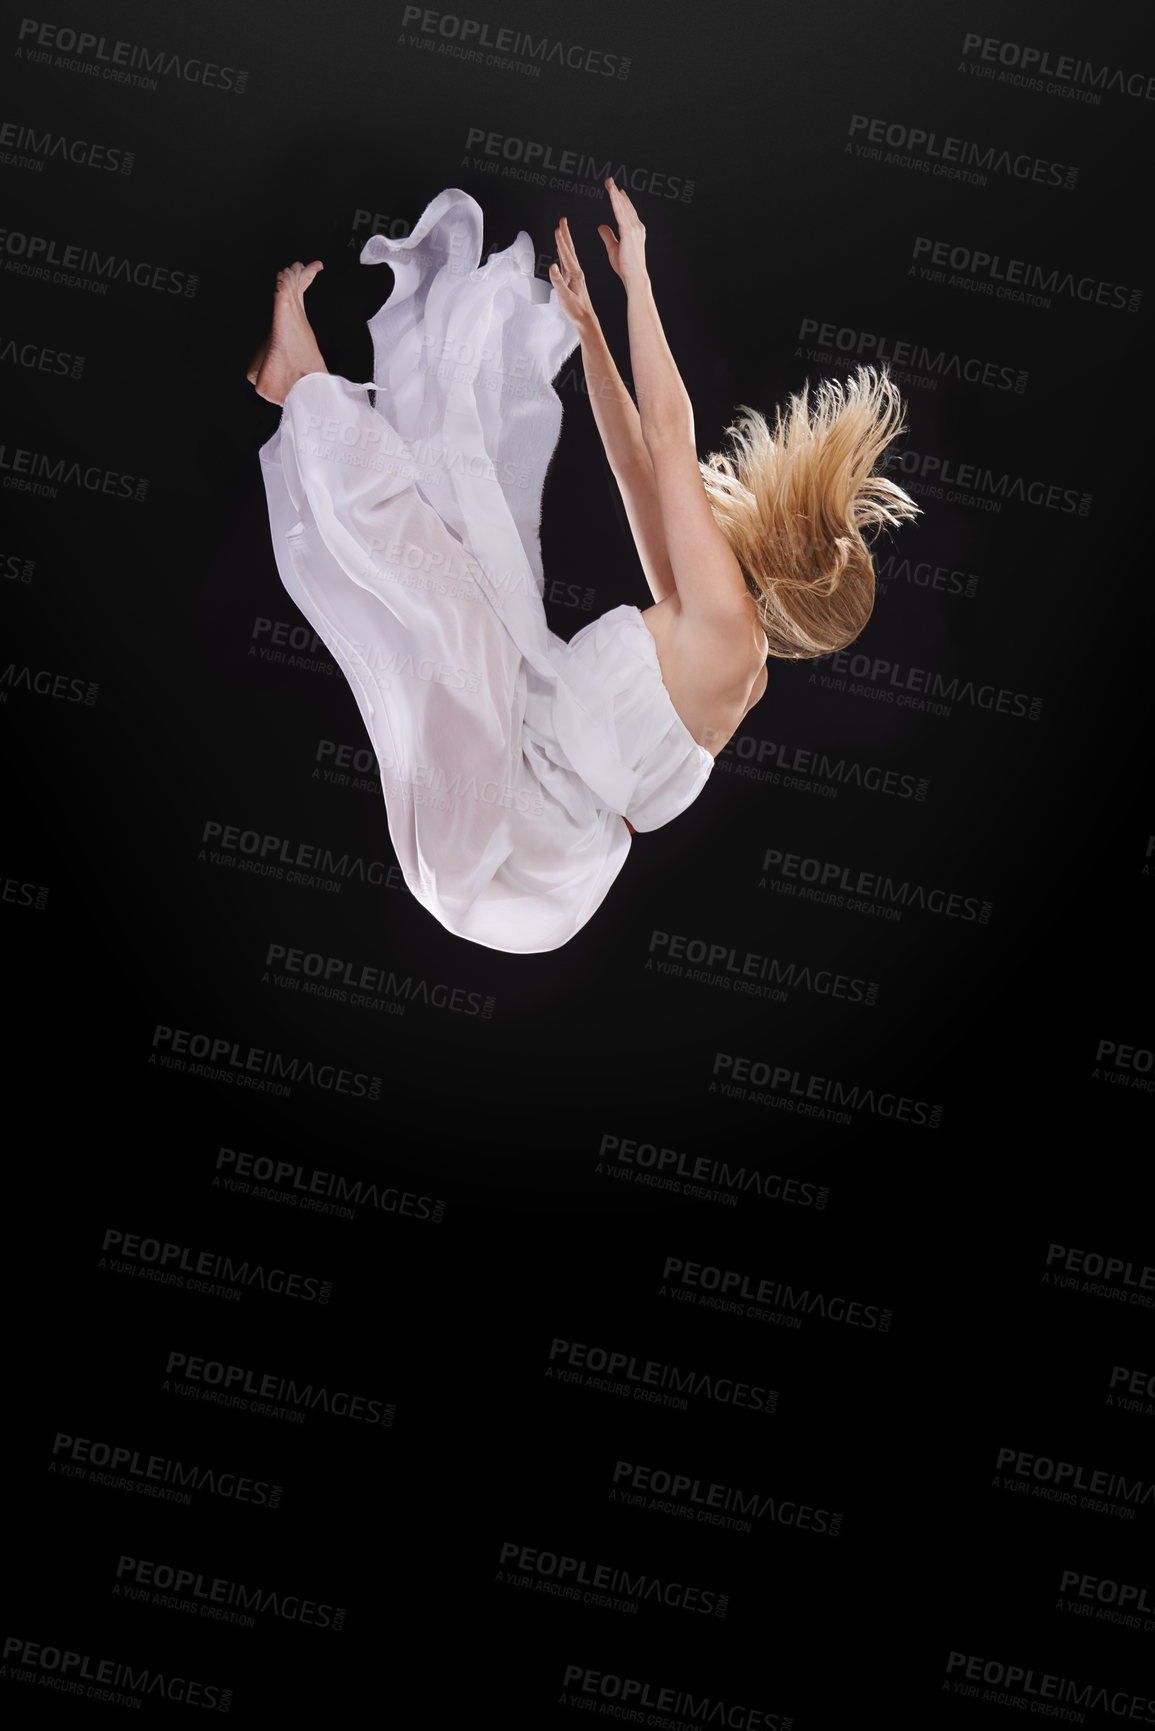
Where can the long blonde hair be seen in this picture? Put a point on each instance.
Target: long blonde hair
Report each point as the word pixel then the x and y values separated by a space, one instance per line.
pixel 794 504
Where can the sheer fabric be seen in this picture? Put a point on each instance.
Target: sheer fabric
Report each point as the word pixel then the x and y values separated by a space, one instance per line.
pixel 405 514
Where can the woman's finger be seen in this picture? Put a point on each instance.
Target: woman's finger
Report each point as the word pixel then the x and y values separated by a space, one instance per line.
pixel 567 254
pixel 565 245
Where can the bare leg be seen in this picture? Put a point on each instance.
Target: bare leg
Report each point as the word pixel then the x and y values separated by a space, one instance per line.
pixel 290 349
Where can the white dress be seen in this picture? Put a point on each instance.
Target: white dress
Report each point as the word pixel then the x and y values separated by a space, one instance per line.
pixel 405 517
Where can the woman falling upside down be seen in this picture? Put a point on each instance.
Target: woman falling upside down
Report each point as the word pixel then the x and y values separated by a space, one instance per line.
pixel 405 515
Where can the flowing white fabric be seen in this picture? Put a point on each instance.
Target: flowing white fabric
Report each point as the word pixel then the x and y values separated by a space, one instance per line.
pixel 405 516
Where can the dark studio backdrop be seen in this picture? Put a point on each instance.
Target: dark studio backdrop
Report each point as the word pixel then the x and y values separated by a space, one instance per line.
pixel 743 1315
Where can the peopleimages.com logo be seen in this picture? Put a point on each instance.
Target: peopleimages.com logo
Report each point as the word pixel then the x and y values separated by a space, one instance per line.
pixel 922 357
pixel 930 150
pixel 46 259
pixel 217 1597
pixel 1022 64
pixel 32 148
pixel 1020 279
pixel 630 1694
pixel 113 60
pixel 60 1667
pixel 533 160
pixel 223 1059
pixel 1018 1685
pixel 485 43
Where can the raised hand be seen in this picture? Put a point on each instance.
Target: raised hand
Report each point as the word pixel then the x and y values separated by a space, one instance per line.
pixel 627 248
pixel 568 279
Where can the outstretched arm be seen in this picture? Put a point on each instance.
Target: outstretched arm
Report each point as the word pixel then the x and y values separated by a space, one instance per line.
pixel 709 578
pixel 664 407
pixel 617 420
pixel 665 412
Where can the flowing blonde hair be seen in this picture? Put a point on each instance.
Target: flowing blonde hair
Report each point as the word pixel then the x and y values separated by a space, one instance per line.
pixel 794 504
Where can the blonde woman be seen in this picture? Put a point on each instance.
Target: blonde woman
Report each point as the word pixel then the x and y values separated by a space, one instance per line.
pixel 405 515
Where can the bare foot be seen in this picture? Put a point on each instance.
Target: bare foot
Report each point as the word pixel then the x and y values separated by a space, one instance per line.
pixel 290 349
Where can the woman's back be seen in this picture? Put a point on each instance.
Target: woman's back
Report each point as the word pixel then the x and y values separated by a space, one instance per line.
pixel 714 677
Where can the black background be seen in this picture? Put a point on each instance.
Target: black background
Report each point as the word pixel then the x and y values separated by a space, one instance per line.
pixel 515 1213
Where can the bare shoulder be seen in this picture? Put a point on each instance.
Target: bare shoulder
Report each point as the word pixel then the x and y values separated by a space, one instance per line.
pixel 711 647
pixel 710 584
pixel 727 633
pixel 711 659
